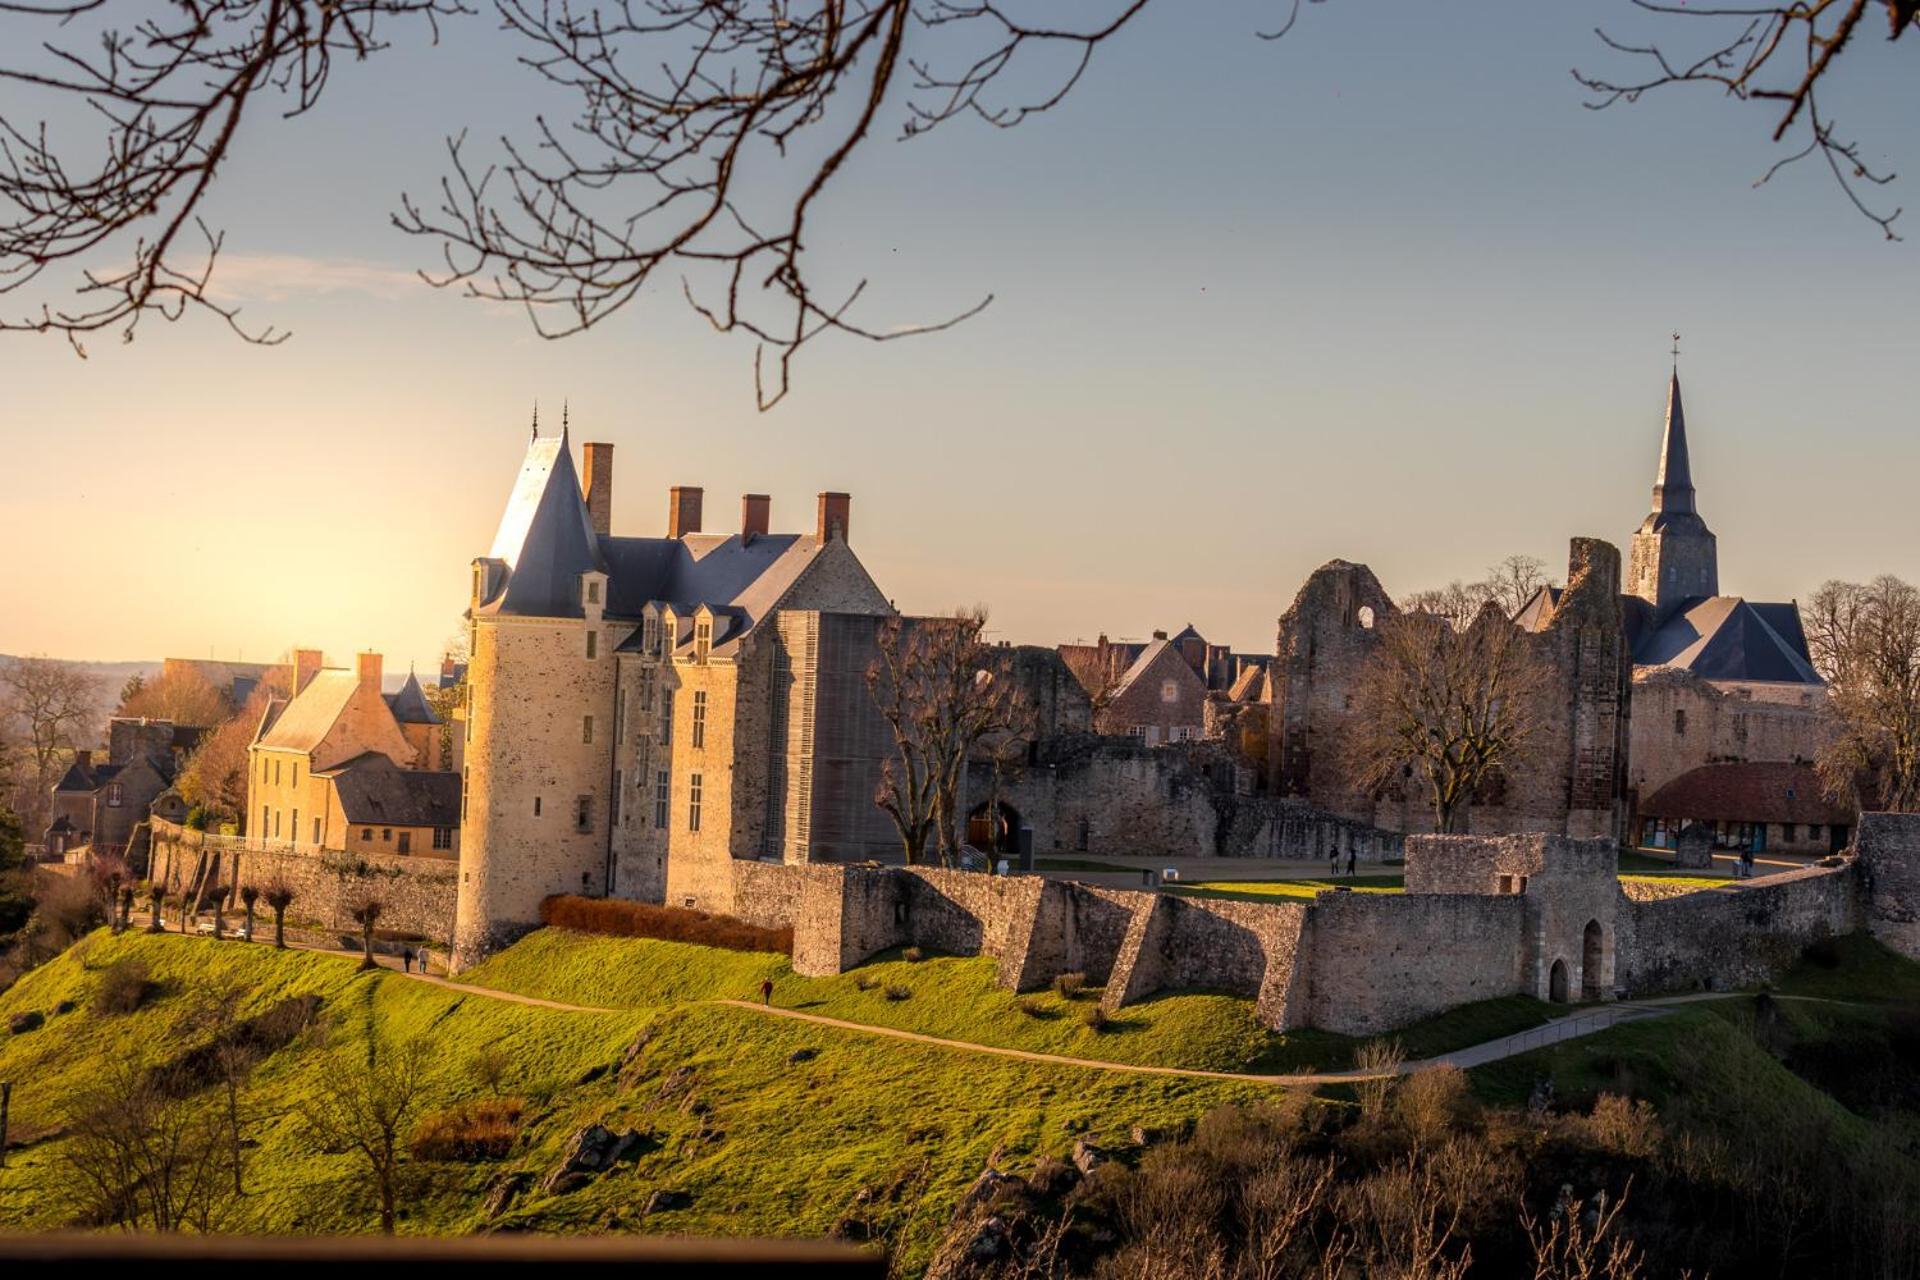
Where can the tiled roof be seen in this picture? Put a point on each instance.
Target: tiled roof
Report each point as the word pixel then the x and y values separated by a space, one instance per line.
pixel 374 791
pixel 1725 638
pixel 1746 793
pixel 409 705
pixel 304 722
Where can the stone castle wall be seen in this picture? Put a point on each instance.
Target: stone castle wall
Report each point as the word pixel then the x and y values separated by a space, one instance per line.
pixel 1717 939
pixel 1379 961
pixel 416 894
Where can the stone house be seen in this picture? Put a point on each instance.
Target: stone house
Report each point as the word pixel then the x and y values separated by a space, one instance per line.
pixel 1108 668
pixel 1158 698
pixel 99 805
pixel 1765 807
pixel 643 711
pixel 321 768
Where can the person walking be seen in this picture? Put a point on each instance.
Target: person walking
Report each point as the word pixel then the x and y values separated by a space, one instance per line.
pixel 406 960
pixel 1333 863
pixel 766 991
pixel 1353 861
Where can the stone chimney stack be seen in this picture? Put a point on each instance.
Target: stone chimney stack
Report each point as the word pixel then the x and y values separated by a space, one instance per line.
pixel 367 666
pixel 83 758
pixel 835 509
pixel 596 485
pixel 756 513
pixel 306 665
pixel 683 510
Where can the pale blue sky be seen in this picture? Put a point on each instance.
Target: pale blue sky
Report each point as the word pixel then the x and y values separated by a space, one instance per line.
pixel 1383 290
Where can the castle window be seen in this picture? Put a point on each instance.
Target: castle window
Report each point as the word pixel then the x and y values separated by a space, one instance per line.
pixel 702 639
pixel 693 803
pixel 1679 720
pixel 662 797
pixel 619 714
pixel 1787 832
pixel 463 793
pixel 666 715
pixel 583 813
pixel 593 644
pixel 293 828
pixel 366 833
pixel 296 773
pixel 536 806
pixel 586 729
pixel 443 837
pixel 276 773
pixel 386 835
pixel 113 796
pixel 276 824
pixel 316 831
pixel 406 842
pixel 700 718
pixel 593 594
pixel 263 819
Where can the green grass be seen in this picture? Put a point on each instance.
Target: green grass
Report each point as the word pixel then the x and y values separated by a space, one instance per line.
pixel 776 1146
pixel 1678 878
pixel 1266 890
pixel 1864 971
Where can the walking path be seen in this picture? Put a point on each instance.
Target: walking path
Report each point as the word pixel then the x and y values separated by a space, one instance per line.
pixel 1571 1027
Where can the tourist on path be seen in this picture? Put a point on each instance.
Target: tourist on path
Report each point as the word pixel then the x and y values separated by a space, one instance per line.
pixel 766 991
pixel 1353 860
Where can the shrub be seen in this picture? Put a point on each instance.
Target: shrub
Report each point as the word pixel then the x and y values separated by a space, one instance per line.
pixel 1624 1125
pixel 912 955
pixel 1430 1102
pixel 1031 1007
pixel 1379 1062
pixel 481 1130
pixel 1096 1019
pixel 865 981
pixel 21 1023
pixel 896 992
pixel 621 919
pixel 489 1067
pixel 124 987
pixel 1070 985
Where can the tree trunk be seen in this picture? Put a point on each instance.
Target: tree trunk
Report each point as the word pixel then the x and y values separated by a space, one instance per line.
pixel 248 934
pixel 280 928
pixel 367 962
pixel 154 922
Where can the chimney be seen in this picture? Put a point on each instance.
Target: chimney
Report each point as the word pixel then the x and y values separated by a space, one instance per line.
pixel 306 665
pixel 834 510
pixel 683 510
pixel 368 669
pixel 1159 635
pixel 596 485
pixel 83 758
pixel 756 512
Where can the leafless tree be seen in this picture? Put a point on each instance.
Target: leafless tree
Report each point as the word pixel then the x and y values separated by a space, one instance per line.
pixel 1780 54
pixel 366 1106
pixel 1456 706
pixel 183 696
pixel 366 913
pixel 1865 639
pixel 57 707
pixel 944 693
pixel 280 896
pixel 1509 584
pixel 1579 1241
pixel 250 896
pixel 146 1153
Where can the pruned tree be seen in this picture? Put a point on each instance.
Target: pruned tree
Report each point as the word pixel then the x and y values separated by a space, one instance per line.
pixel 366 913
pixel 1865 639
pixel 1781 55
pixel 280 896
pixel 943 693
pixel 700 144
pixel 1455 706
pixel 250 896
pixel 366 1105
pixel 145 1152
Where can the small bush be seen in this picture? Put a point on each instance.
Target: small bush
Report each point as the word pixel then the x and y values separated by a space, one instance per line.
pixel 1430 1102
pixel 1031 1007
pixel 21 1023
pixel 865 981
pixel 482 1130
pixel 123 988
pixel 1096 1019
pixel 621 919
pixel 490 1067
pixel 912 955
pixel 896 992
pixel 1069 985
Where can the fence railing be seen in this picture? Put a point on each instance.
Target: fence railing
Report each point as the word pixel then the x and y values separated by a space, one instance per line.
pixel 1573 1027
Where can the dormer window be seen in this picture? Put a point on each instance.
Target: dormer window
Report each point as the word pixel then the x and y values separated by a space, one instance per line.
pixel 593 591
pixel 702 639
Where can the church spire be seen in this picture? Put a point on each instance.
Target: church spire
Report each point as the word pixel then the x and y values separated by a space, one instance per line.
pixel 1673 487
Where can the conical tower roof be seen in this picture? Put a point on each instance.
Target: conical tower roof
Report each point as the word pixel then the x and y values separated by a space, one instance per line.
pixel 1673 486
pixel 546 536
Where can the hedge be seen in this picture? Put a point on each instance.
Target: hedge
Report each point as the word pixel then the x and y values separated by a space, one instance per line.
pixel 620 918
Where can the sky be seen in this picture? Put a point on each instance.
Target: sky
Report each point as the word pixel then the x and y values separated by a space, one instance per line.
pixel 1384 290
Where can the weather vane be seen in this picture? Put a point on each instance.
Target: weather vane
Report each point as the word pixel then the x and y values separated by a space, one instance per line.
pixel 1676 348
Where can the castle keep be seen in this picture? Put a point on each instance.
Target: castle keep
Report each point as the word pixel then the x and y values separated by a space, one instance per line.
pixel 644 710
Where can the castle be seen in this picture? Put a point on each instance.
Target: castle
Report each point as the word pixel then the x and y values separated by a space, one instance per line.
pixel 644 710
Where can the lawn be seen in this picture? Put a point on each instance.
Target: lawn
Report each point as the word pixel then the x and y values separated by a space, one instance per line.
pixel 1266 890
pixel 1680 879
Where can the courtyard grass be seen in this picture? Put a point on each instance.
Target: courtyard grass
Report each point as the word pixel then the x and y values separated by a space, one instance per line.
pixel 1680 879
pixel 1302 888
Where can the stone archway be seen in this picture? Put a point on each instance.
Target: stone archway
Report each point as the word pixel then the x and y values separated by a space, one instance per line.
pixel 1593 962
pixel 1557 982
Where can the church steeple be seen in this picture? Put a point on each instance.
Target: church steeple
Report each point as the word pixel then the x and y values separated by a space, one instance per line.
pixel 1673 487
pixel 1674 557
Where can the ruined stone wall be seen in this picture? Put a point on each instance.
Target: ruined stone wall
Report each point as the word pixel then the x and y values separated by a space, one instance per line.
pixel 416 894
pixel 1379 961
pixel 1323 643
pixel 1888 845
pixel 1743 934
pixel 1681 722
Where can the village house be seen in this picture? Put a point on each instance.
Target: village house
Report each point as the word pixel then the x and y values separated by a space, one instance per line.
pixel 97 806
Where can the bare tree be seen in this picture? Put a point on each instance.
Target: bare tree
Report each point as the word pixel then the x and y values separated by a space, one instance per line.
pixel 1780 54
pixel 366 914
pixel 183 696
pixel 1865 638
pixel 57 705
pixel 215 775
pixel 367 1106
pixel 145 1153
pixel 280 896
pixel 943 692
pixel 250 896
pixel 1456 706
pixel 1509 585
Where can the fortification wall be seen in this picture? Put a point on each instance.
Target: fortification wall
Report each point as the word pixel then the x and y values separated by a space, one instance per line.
pixel 416 894
pixel 1380 961
pixel 1717 939
pixel 1889 848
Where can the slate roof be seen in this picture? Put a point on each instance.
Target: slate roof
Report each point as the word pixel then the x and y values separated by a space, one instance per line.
pixel 1746 793
pixel 547 542
pixel 376 792
pixel 301 724
pixel 86 777
pixel 1726 638
pixel 1251 686
pixel 409 705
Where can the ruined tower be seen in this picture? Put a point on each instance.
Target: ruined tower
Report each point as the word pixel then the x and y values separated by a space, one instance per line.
pixel 1673 557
